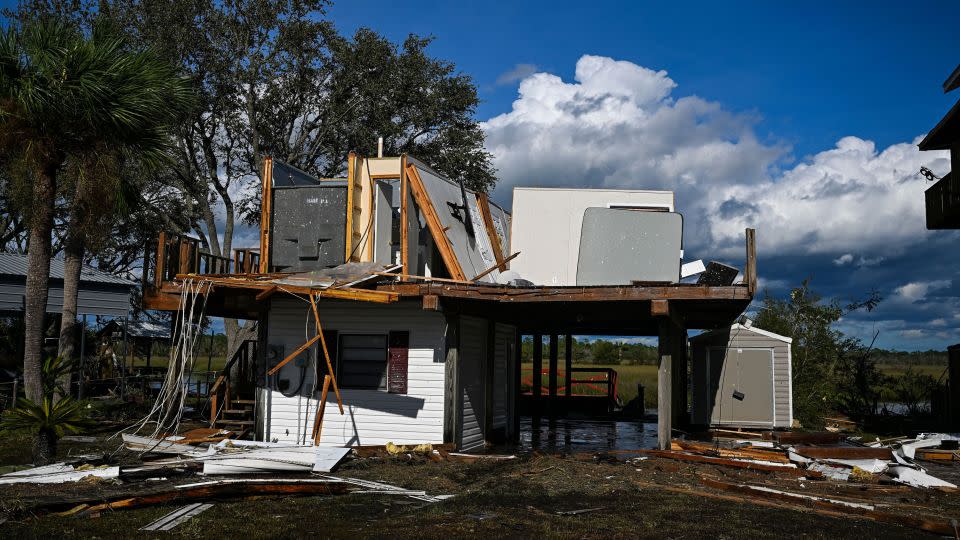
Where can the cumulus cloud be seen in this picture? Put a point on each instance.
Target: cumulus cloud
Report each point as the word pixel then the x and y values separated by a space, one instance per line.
pixel 517 73
pixel 621 125
pixel 918 290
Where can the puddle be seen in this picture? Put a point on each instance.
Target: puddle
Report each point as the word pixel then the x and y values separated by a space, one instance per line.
pixel 570 435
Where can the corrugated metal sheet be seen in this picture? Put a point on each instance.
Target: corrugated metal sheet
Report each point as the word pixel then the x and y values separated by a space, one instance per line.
pixel 15 264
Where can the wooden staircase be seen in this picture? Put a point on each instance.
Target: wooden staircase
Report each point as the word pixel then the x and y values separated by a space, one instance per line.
pixel 231 408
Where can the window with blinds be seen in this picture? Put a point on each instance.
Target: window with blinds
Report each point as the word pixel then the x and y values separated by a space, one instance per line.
pixel 363 361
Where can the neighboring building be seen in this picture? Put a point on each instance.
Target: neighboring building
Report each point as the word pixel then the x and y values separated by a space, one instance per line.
pixel 100 293
pixel 943 198
pixel 742 377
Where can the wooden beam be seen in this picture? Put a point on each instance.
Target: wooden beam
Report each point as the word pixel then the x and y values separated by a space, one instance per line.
pixel 404 186
pixel 410 277
pixel 351 194
pixel 483 203
pixel 266 209
pixel 659 308
pixel 431 302
pixel 568 363
pixel 294 354
pixel 433 223
pixel 494 267
pixel 537 370
pixel 750 273
pixel 265 294
pixel 326 353
pixel 321 410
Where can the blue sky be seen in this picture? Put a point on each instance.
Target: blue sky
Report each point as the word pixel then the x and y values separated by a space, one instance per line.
pixel 798 120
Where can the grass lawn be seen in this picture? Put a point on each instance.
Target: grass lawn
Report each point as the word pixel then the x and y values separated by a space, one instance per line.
pixel 628 377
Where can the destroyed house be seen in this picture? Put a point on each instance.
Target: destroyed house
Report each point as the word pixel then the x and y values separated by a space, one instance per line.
pixel 391 303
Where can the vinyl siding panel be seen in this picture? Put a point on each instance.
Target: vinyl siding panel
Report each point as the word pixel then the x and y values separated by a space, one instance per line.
pixel 93 298
pixel 371 417
pixel 743 338
pixel 473 353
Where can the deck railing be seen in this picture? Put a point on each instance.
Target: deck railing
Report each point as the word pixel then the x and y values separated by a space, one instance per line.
pixel 583 382
pixel 179 254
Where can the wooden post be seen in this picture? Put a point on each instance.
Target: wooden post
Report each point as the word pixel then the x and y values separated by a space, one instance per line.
pixel 664 388
pixel 750 272
pixel 321 409
pixel 537 370
pixel 404 252
pixel 678 342
pixel 568 363
pixel 515 395
pixel 160 266
pixel 351 195
pixel 554 366
pixel 266 204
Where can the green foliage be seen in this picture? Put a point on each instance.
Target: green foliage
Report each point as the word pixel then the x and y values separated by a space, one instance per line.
pixel 831 371
pixel 59 417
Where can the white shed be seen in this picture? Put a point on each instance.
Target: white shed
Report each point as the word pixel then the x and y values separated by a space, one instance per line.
pixel 742 377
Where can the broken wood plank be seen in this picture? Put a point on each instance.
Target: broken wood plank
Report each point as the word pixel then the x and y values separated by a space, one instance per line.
pixel 792 437
pixel 321 410
pixel 266 200
pixel 929 524
pixel 844 452
pixel 261 296
pixel 326 356
pixel 668 454
pixel 294 354
pixel 496 266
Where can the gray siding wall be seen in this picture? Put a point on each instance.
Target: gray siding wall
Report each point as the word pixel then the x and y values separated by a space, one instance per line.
pixel 93 299
pixel 702 396
pixel 473 354
pixel 372 417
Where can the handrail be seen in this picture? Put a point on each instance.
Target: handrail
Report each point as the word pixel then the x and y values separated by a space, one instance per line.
pixel 174 254
pixel 243 353
pixel 605 382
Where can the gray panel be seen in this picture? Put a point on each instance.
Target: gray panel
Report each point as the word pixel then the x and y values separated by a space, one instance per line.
pixel 619 246
pixel 444 193
pixel 285 175
pixel 387 215
pixel 309 227
pixel 15 264
pixel 743 379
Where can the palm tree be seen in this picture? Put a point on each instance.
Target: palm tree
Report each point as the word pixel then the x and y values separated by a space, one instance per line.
pixel 64 94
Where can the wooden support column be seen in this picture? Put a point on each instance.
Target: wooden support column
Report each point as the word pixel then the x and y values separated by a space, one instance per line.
pixel 678 344
pixel 515 395
pixel 554 365
pixel 664 387
pixel 568 363
pixel 537 369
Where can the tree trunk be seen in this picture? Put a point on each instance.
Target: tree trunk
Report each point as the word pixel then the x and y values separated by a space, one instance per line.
pixel 72 267
pixel 38 281
pixel 44 447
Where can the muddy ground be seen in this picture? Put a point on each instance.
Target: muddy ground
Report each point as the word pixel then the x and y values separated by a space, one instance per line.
pixel 652 498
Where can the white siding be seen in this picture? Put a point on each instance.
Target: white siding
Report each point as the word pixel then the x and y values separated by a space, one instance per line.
pixel 371 417
pixel 504 343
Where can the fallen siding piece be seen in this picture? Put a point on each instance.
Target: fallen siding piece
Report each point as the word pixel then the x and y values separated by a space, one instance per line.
pixel 916 477
pixel 327 458
pixel 387 489
pixel 909 449
pixel 844 452
pixel 57 474
pixel 841 474
pixel 934 525
pixel 176 517
pixel 157 446
pixel 874 466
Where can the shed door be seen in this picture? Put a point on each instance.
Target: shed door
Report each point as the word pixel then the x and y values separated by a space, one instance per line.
pixel 473 354
pixel 743 378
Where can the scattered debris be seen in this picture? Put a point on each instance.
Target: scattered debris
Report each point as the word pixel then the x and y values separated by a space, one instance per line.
pixel 59 473
pixel 177 517
pixel 578 512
